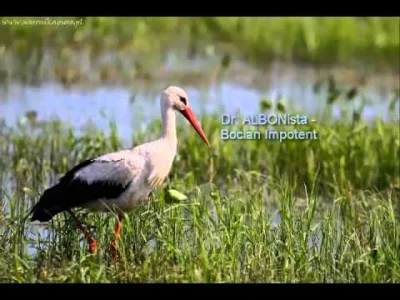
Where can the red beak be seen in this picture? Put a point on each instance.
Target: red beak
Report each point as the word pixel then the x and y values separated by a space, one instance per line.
pixel 191 117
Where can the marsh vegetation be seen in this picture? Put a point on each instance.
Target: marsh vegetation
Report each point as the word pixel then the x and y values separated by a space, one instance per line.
pixel 324 210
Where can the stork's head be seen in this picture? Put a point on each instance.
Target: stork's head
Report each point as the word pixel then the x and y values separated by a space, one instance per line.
pixel 176 98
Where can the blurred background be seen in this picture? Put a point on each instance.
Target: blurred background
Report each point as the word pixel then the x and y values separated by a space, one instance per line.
pixel 88 71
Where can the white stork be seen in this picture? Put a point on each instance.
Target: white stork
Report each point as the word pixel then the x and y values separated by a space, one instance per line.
pixel 118 181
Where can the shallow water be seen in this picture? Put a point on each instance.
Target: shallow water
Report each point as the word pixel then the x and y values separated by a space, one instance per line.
pixel 239 90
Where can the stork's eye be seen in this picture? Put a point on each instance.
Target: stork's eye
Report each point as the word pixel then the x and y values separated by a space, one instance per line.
pixel 183 100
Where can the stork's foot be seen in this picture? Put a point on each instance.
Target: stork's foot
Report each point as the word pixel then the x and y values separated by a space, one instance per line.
pixel 114 250
pixel 92 246
pixel 88 235
pixel 114 246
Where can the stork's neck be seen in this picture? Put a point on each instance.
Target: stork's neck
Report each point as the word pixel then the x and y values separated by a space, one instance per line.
pixel 168 123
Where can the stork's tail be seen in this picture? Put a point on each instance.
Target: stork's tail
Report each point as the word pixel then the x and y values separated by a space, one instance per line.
pixel 49 205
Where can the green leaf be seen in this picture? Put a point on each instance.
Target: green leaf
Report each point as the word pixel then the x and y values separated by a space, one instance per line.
pixel 265 104
pixel 175 196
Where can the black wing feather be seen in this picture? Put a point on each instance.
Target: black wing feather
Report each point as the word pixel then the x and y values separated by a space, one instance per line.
pixel 75 189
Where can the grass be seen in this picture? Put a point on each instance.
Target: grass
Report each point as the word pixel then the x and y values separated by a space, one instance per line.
pixel 323 210
pixel 257 211
pixel 142 43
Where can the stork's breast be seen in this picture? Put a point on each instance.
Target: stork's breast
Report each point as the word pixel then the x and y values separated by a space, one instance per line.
pixel 134 195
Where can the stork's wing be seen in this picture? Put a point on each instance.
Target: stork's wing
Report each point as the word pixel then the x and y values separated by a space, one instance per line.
pixel 96 179
pixel 105 177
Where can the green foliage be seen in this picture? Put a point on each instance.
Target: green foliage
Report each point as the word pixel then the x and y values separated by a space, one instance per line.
pixel 317 40
pixel 252 211
pixel 324 210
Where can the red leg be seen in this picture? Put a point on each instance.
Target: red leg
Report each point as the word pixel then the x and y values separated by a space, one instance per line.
pixel 90 239
pixel 114 246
